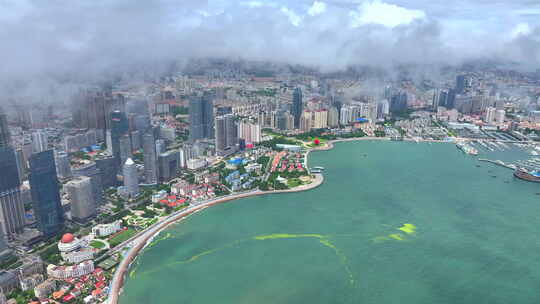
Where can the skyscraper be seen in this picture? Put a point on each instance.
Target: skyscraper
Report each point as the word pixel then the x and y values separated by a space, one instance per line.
pixel 125 148
pixel 489 116
pixel 168 165
pixel 150 158
pixel 46 193
pixel 297 107
pixel 398 102
pixel 92 109
pixel 220 135
pixel 201 117
pixel 11 205
pixel 333 117
pixel 225 134
pixel 92 171
pixel 40 141
pixel 383 108
pixel 83 204
pixel 250 132
pixel 5 136
pixel 63 168
pixel 161 147
pixel 131 178
pixel 119 128
pixel 460 84
pixel 4 252
pixel 107 169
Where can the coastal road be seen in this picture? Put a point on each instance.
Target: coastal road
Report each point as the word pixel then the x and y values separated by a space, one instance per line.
pixel 139 241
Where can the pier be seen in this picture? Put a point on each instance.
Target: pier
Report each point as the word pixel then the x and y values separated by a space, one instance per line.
pixel 499 163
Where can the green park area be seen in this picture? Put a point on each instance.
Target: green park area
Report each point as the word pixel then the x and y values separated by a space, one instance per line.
pixel 294 182
pixel 121 237
pixel 97 244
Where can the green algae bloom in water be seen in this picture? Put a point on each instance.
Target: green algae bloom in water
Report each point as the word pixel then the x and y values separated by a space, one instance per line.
pixel 412 223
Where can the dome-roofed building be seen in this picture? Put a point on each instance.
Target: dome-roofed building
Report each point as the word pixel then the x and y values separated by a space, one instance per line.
pixel 68 243
pixel 67 238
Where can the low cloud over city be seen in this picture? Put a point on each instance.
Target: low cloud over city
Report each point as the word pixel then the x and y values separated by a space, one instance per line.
pixel 84 39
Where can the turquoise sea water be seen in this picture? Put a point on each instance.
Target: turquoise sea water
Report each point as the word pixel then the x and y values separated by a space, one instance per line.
pixel 468 234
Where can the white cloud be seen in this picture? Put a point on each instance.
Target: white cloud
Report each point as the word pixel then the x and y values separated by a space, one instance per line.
pixel 317 8
pixel 253 3
pixel 522 29
pixel 294 18
pixel 390 15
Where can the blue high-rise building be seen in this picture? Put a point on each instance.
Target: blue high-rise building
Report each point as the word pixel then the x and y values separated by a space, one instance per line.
pixel 45 190
pixel 297 107
pixel 460 84
pixel 398 103
pixel 11 205
pixel 201 117
pixel 119 128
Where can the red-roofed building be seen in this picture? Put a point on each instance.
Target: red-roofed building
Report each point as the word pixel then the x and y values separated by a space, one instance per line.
pixel 100 285
pixel 96 292
pixel 97 271
pixel 68 298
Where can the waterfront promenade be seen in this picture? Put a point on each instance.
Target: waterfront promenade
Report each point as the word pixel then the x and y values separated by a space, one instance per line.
pixel 138 242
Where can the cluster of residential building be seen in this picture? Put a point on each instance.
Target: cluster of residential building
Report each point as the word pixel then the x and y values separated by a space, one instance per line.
pixel 287 161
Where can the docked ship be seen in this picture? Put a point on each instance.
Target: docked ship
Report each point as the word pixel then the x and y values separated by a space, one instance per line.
pixel 467 149
pixel 531 176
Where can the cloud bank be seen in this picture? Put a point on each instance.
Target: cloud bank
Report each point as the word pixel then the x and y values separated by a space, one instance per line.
pixel 84 39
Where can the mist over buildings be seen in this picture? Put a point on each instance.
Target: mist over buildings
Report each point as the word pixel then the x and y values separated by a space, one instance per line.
pixel 44 43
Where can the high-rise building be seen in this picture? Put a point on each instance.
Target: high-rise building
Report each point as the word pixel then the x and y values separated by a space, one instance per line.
pixel 92 171
pixel 450 99
pixel 107 169
pixel 161 147
pixel 11 205
pixel 125 148
pixel 398 102
pixel 150 158
pixel 306 121
pixel 345 115
pixel 135 140
pixel 333 117
pixel 220 133
pixel 142 123
pixel 225 134
pixel 499 116
pixel 63 168
pixel 489 116
pixel 21 164
pixel 383 109
pixel 131 178
pixel 46 193
pixel 168 165
pixel 83 205
pixel 297 107
pixel 201 117
pixel 5 135
pixel 320 119
pixel 460 84
pixel 249 132
pixel 4 250
pixel 92 109
pixel 40 141
pixel 119 128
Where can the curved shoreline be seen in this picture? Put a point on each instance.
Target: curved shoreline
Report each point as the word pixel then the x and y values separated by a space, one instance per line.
pixel 140 241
